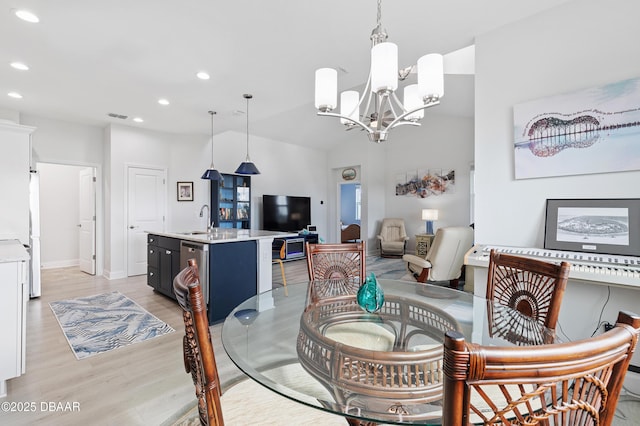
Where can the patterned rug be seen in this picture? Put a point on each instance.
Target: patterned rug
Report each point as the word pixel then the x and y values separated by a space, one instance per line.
pixel 100 323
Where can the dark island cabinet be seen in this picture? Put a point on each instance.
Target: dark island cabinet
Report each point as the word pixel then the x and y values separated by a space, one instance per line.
pixel 163 263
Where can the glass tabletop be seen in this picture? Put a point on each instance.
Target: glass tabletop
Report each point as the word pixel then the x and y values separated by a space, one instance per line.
pixel 380 367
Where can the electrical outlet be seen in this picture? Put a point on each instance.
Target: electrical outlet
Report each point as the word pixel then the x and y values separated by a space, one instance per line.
pixel 608 326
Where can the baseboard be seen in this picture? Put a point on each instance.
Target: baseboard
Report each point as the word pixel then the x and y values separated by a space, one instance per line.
pixel 60 264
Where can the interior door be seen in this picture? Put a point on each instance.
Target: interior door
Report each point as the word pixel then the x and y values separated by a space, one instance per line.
pixel 145 213
pixel 87 225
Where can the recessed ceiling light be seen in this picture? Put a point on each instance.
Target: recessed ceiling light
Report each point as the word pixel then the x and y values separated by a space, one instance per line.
pixel 163 101
pixel 20 66
pixel 25 15
pixel 138 120
pixel 15 95
pixel 203 75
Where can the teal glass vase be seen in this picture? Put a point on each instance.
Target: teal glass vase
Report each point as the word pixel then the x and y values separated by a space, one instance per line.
pixel 370 294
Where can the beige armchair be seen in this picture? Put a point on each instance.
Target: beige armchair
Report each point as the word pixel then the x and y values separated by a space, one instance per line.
pixel 393 238
pixel 445 257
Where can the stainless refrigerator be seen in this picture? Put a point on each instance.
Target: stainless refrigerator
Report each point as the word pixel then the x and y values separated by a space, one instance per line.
pixel 34 234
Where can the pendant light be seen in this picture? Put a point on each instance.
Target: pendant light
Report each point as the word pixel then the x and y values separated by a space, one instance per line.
pixel 212 173
pixel 247 167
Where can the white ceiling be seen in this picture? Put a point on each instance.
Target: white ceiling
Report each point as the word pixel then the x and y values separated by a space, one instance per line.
pixel 89 58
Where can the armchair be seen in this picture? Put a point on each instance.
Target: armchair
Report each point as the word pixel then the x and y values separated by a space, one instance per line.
pixel 445 257
pixel 393 238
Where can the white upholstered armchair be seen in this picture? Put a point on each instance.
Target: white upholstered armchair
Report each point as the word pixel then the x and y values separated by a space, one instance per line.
pixel 445 257
pixel 393 238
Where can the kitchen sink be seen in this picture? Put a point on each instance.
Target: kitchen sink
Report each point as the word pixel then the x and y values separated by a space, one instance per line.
pixel 194 233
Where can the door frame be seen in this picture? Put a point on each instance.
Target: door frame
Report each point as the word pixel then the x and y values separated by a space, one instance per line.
pixel 97 167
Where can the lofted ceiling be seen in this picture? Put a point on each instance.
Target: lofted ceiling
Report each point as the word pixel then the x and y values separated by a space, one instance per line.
pixel 89 58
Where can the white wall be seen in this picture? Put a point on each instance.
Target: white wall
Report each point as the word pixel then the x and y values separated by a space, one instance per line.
pixel 440 142
pixel 577 45
pixel 443 142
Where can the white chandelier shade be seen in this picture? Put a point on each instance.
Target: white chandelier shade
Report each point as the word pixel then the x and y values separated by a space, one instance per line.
pixel 384 67
pixel 349 106
pixel 326 89
pixel 431 76
pixel 412 101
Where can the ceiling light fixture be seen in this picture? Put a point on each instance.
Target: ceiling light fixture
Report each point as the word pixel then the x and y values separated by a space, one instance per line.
pixel 138 120
pixel 19 66
pixel 247 167
pixel 25 15
pixel 211 173
pixel 15 95
pixel 382 109
pixel 163 101
pixel 203 75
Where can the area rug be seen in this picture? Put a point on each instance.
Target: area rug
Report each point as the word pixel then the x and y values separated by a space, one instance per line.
pixel 101 323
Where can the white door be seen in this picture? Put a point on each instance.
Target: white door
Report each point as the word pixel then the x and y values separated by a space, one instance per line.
pixel 145 213
pixel 87 225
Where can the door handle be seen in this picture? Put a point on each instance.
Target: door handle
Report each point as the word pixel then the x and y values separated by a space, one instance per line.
pixel 132 227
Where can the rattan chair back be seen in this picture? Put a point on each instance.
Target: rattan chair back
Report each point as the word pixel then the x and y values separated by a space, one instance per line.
pixel 531 286
pixel 576 383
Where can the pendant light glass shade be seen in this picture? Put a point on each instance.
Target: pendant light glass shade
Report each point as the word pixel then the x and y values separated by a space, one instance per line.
pixel 211 173
pixel 412 101
pixel 384 67
pixel 431 76
pixel 247 167
pixel 326 89
pixel 349 106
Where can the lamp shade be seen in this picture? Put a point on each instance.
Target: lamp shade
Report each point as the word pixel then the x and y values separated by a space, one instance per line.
pixel 212 174
pixel 429 214
pixel 247 168
pixel 412 101
pixel 326 96
pixel 349 106
pixel 384 67
pixel 431 76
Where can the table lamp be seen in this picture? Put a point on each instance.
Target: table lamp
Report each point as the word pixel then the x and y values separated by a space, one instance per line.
pixel 429 215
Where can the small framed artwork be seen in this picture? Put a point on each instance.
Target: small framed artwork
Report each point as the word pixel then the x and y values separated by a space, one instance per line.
pixel 349 174
pixel 604 226
pixel 185 191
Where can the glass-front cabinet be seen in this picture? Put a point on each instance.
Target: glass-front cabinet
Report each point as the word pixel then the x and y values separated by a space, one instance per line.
pixel 232 200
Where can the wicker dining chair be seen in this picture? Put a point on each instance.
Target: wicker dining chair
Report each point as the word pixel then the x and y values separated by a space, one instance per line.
pixel 576 383
pixel 533 287
pixel 335 269
pixel 200 362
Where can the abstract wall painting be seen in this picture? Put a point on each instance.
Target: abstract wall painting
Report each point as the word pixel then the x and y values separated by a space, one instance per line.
pixel 423 183
pixel 596 130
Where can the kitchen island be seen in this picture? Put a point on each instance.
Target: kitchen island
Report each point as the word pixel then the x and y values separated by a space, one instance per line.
pixel 235 264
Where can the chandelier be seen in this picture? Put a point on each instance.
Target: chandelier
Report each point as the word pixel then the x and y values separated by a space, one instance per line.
pixel 382 109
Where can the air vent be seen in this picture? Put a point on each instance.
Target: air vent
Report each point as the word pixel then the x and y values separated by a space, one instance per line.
pixel 120 116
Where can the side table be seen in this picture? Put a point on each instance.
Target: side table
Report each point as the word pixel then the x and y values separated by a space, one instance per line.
pixel 423 244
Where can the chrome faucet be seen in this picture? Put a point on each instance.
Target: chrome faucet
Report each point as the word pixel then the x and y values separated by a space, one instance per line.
pixel 208 216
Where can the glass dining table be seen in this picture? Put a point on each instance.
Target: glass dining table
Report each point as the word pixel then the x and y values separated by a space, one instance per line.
pixel 381 367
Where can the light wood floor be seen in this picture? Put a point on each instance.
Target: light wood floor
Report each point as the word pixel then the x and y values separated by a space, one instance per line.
pixel 140 384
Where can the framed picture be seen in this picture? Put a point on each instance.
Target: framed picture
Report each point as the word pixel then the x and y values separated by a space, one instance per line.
pixel 349 174
pixel 604 226
pixel 185 191
pixel 594 130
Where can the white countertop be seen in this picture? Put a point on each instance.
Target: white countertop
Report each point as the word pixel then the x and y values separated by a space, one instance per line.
pixel 12 251
pixel 225 235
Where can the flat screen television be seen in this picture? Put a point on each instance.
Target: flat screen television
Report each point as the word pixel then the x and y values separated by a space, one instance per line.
pixel 285 213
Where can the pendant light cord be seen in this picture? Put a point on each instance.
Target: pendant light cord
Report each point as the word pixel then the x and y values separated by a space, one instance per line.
pixel 212 113
pixel 247 97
